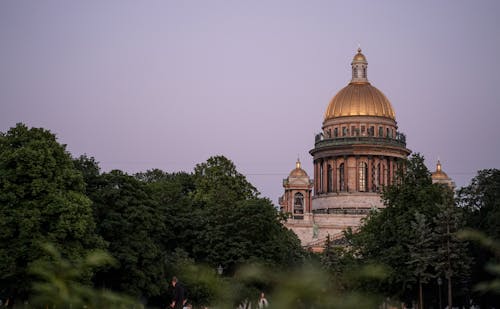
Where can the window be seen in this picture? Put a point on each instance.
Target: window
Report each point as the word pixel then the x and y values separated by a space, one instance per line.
pixel 341 177
pixel 363 180
pixel 336 132
pixel 387 132
pixel 298 203
pixel 380 131
pixel 353 130
pixel 344 131
pixel 372 131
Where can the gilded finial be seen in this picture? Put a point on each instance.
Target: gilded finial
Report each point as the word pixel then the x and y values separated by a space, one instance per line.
pixel 438 166
pixel 297 165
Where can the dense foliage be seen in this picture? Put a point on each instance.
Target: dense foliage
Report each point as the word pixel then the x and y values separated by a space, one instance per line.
pixel 41 200
pixel 414 236
pixel 58 214
pixel 481 200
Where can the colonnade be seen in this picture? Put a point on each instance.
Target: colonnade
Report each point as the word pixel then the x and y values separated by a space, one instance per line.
pixel 354 173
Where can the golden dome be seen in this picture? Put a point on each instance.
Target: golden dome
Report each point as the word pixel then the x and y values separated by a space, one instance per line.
pixel 360 99
pixel 298 171
pixel 439 174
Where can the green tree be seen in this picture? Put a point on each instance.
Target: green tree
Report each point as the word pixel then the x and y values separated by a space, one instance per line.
pixel 132 223
pixel 58 282
pixel 423 256
pixel 90 170
pixel 454 261
pixel 41 200
pixel 390 236
pixel 481 202
pixel 218 181
pixel 246 231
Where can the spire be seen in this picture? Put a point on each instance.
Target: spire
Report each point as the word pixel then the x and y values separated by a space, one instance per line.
pixel 359 67
pixel 297 165
pixel 438 166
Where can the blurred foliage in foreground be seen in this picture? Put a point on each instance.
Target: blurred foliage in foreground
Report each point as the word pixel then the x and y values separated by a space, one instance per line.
pixel 59 282
pixel 308 286
pixel 491 267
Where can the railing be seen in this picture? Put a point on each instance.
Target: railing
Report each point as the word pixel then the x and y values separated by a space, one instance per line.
pixel 321 141
pixel 344 211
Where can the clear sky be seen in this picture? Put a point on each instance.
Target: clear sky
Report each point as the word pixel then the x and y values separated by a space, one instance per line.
pixel 167 84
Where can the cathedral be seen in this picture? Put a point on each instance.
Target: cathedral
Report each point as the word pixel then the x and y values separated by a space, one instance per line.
pixel 358 151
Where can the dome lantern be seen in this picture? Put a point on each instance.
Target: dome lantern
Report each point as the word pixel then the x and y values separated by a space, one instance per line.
pixel 359 67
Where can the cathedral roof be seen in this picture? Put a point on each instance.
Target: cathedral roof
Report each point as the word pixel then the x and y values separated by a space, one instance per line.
pixel 359 98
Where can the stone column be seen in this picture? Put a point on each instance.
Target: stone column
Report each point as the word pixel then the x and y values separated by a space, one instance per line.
pixel 346 174
pixel 334 174
pixel 325 176
pixel 356 173
pixel 316 177
pixel 370 174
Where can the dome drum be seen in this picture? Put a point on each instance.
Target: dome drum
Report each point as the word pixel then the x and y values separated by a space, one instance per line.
pixel 349 149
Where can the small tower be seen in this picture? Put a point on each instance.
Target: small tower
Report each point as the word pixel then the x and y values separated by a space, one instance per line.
pixel 359 66
pixel 441 177
pixel 296 201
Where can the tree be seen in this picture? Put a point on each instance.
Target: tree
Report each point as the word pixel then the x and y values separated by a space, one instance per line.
pixel 248 231
pixel 218 181
pixel 454 261
pixel 393 235
pixel 41 200
pixel 132 223
pixel 90 170
pixel 58 282
pixel 481 203
pixel 422 253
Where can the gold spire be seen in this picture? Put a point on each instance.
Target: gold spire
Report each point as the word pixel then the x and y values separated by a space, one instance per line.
pixel 438 166
pixel 297 165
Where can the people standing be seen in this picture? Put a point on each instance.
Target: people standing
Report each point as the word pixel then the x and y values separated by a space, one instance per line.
pixel 262 303
pixel 179 297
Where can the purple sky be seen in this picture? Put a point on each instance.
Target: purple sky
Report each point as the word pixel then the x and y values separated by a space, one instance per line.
pixel 167 84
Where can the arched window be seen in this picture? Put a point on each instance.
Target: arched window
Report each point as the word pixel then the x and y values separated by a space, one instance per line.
pixel 363 180
pixel 380 131
pixel 335 132
pixel 330 179
pixel 298 204
pixel 341 178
